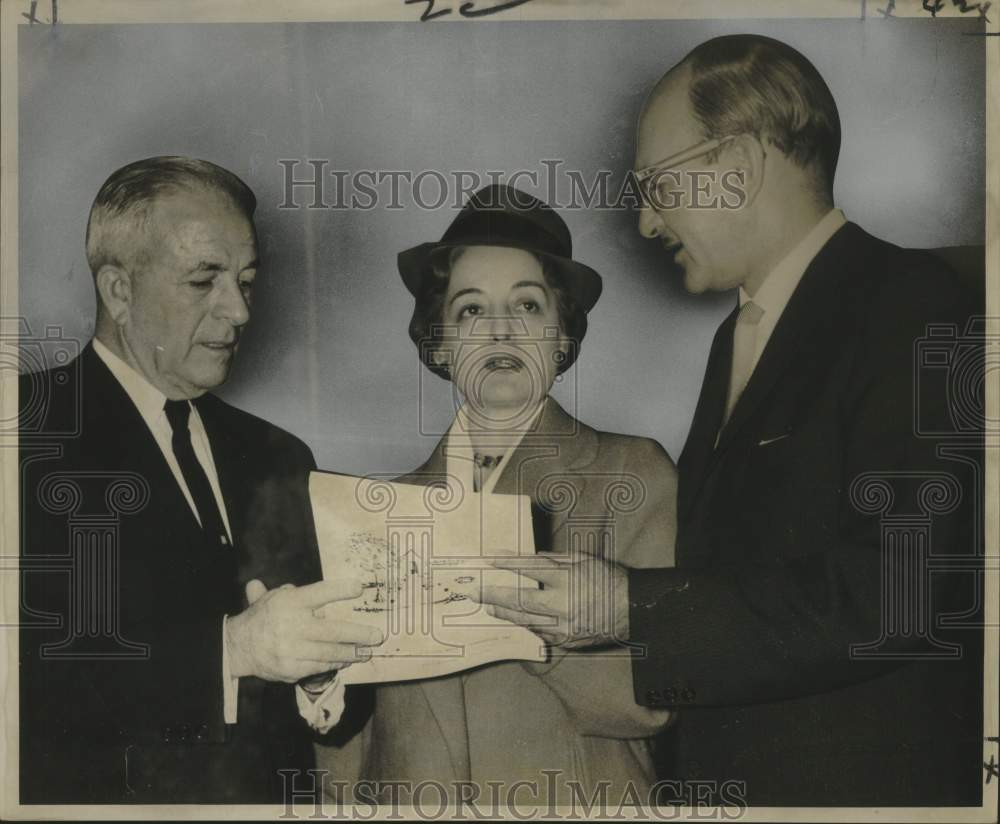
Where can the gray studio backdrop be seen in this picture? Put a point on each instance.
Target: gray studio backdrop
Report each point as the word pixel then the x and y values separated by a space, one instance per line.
pixel 327 355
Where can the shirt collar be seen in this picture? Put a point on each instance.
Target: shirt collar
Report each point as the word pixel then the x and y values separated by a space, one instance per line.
pixel 778 286
pixel 147 398
pixel 459 452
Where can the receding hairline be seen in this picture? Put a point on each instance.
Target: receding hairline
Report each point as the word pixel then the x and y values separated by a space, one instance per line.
pixel 676 74
pixel 137 223
pixel 123 204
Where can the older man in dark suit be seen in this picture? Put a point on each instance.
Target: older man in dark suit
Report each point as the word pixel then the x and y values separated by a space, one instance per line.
pixel 160 668
pixel 820 635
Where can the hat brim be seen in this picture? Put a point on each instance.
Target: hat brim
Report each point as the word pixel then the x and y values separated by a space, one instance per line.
pixel 580 280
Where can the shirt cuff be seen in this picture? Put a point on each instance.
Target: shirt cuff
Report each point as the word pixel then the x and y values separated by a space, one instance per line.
pixel 324 712
pixel 230 685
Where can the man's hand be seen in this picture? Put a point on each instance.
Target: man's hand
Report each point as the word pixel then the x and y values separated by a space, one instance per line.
pixel 583 601
pixel 280 638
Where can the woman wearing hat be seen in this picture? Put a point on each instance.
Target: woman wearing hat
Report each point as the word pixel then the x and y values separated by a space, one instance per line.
pixel 501 310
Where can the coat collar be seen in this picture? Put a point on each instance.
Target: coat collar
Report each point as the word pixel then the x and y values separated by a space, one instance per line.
pixel 558 441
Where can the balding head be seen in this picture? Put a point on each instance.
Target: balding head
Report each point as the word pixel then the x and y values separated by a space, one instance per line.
pixel 740 115
pixel 667 119
pixel 749 84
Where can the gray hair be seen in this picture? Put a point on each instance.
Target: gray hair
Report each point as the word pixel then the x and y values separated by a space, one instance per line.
pixel 122 206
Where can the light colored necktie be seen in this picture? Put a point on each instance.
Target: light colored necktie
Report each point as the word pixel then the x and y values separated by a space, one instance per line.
pixel 744 347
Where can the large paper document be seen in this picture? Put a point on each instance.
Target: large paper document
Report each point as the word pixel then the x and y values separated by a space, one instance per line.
pixel 420 552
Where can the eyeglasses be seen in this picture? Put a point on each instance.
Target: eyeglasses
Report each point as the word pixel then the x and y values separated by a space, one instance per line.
pixel 677 159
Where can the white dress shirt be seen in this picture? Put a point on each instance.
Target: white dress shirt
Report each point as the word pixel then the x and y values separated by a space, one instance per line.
pixel 777 288
pixel 149 401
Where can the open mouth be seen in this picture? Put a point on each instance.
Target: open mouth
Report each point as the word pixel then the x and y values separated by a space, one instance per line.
pixel 220 346
pixel 504 362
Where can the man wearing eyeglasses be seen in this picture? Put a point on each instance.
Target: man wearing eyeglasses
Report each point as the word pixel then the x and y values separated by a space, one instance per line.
pixel 817 636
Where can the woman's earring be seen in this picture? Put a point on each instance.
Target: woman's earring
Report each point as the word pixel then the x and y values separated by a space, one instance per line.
pixel 441 365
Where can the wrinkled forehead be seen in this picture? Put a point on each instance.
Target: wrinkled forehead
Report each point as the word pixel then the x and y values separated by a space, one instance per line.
pixel 193 219
pixel 666 123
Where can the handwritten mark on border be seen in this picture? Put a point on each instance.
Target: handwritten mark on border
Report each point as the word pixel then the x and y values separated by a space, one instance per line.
pixel 934 6
pixel 467 9
pixel 32 18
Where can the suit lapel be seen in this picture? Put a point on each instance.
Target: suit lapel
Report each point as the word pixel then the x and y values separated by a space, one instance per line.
pixel 810 306
pixel 697 454
pixel 112 417
pixel 230 464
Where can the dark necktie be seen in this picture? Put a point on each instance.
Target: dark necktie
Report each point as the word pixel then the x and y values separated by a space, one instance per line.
pixel 178 413
pixel 484 466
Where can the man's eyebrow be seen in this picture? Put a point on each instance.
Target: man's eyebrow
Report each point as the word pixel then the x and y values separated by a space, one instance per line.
pixel 208 266
pixel 216 266
pixel 461 292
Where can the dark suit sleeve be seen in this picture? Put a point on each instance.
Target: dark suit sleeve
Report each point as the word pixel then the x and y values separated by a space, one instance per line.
pixel 744 633
pixel 288 552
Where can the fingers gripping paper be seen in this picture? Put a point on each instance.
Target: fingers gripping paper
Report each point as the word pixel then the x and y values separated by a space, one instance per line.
pixel 420 552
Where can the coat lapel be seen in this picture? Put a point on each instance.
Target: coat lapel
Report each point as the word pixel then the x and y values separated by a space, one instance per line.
pixel 229 463
pixel 539 465
pixel 810 306
pixel 444 695
pixel 558 442
pixel 697 454
pixel 110 416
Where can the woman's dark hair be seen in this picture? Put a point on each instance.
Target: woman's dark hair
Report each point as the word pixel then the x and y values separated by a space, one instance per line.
pixel 427 323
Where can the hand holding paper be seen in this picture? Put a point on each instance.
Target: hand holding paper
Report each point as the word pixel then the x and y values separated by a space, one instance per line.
pixel 279 637
pixel 423 558
pixel 583 600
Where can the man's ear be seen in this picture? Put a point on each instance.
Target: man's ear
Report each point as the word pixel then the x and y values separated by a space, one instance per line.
pixel 746 154
pixel 114 290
